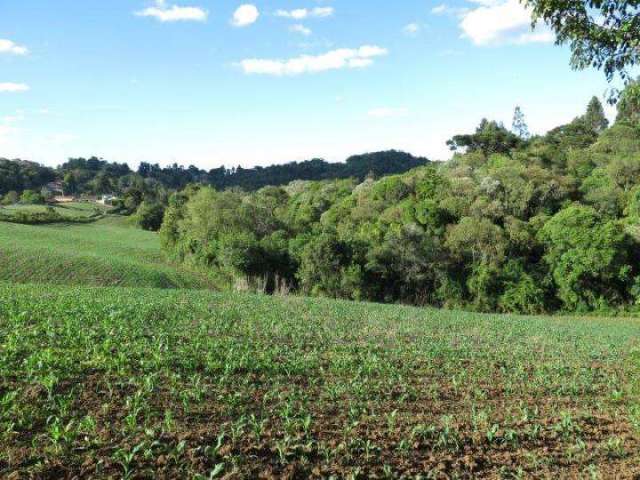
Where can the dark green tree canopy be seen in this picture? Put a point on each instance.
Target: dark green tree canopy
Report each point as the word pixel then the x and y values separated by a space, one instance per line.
pixel 95 176
pixel 629 104
pixel 508 225
pixel 20 175
pixel 490 137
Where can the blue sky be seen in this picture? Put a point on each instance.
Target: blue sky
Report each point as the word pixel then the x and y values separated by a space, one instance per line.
pixel 219 82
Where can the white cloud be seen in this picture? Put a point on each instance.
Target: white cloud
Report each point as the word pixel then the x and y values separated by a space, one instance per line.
pixel 369 51
pixel 444 9
pixel 7 46
pixel 302 13
pixel 245 15
pixel 440 9
pixel 298 28
pixel 411 29
pixel 13 87
pixel 173 13
pixel 387 112
pixel 334 60
pixel 500 22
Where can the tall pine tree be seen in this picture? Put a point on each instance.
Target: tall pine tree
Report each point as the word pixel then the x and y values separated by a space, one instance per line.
pixel 519 126
pixel 595 118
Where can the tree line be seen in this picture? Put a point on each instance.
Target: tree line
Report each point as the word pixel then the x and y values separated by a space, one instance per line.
pixel 153 183
pixel 513 223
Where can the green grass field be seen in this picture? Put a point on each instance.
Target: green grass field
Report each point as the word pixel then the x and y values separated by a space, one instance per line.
pixel 104 253
pixel 124 382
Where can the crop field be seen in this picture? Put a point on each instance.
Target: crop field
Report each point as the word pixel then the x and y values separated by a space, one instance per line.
pixel 150 383
pixel 104 253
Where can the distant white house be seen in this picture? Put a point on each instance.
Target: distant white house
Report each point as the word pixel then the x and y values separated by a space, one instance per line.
pixel 107 199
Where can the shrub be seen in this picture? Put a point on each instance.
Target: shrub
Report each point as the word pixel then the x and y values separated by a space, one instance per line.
pixel 521 292
pixel 33 218
pixel 11 198
pixel 30 197
pixel 149 216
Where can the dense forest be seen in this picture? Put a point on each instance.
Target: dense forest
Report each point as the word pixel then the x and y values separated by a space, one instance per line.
pixel 513 223
pixel 20 175
pixel 250 179
pixel 94 176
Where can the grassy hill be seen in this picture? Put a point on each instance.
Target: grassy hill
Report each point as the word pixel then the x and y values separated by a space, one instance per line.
pixel 147 383
pixel 105 253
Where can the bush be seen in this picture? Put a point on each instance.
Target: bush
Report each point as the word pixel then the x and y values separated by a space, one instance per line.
pixel 521 292
pixel 11 198
pixel 149 216
pixel 33 218
pixel 43 217
pixel 30 197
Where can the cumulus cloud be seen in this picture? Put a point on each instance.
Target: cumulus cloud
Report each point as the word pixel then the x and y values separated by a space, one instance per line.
pixel 343 58
pixel 163 12
pixel 386 112
pixel 499 22
pixel 245 15
pixel 13 87
pixel 302 13
pixel 7 46
pixel 298 28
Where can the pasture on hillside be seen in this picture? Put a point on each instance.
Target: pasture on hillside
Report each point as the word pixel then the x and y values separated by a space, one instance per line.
pixel 108 252
pixel 148 383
